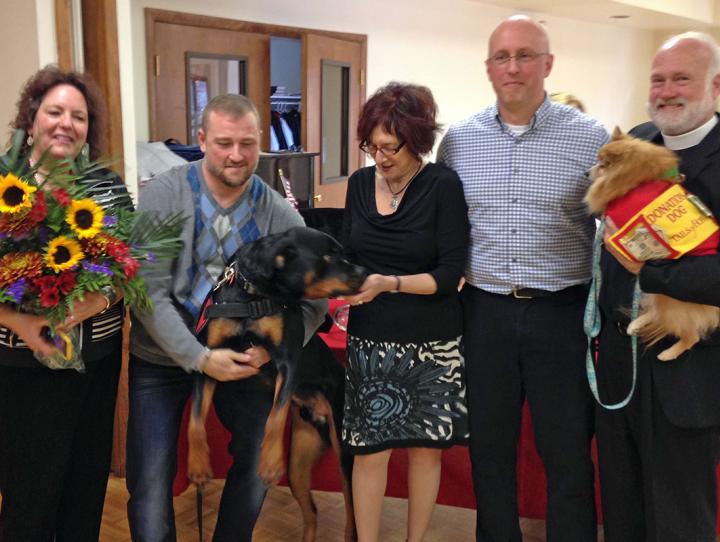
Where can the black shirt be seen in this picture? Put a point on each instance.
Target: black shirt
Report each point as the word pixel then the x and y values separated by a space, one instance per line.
pixel 428 233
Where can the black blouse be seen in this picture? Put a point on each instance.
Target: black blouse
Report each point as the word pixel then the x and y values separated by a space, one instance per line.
pixel 428 233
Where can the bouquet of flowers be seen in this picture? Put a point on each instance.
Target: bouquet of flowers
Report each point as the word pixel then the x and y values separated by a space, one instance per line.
pixel 57 243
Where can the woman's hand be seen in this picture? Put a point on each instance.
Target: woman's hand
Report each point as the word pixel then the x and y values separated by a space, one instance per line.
pixel 92 303
pixel 375 284
pixel 30 328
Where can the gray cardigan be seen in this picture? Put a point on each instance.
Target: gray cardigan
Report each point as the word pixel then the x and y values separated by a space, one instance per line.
pixel 164 336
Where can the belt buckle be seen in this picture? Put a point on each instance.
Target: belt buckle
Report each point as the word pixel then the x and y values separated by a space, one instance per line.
pixel 516 295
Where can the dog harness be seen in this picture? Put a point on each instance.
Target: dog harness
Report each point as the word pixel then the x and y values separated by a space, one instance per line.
pixel 255 306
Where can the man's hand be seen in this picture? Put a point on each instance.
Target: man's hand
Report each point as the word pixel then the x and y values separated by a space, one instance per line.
pixel 255 356
pixel 224 364
pixel 631 265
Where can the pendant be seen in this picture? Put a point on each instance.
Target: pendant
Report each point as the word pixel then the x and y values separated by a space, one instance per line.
pixel 394 203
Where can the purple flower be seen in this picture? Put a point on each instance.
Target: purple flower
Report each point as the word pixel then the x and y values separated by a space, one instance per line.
pixel 43 235
pixel 16 290
pixel 97 268
pixel 109 220
pixel 151 257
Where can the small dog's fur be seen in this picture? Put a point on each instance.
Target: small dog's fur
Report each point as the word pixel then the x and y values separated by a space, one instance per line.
pixel 624 164
pixel 280 269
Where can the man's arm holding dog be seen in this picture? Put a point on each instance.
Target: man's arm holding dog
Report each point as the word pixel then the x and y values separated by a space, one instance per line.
pixel 691 278
pixel 164 324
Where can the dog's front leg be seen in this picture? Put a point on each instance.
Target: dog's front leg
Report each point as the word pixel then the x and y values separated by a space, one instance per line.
pixel 199 469
pixel 272 460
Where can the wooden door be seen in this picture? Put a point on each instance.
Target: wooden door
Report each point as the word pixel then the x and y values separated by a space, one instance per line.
pixel 167 73
pixel 317 48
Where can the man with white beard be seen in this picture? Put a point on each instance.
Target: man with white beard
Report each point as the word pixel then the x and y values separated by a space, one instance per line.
pixel 658 454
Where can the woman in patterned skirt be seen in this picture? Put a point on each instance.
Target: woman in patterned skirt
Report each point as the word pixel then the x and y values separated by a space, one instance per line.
pixel 406 222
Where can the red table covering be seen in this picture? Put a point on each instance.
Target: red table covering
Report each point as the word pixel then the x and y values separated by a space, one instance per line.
pixel 456 483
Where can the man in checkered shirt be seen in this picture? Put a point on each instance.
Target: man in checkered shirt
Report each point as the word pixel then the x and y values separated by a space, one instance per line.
pixel 523 164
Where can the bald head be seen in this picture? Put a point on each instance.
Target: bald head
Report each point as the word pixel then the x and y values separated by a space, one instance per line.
pixel 696 44
pixel 684 83
pixel 534 31
pixel 518 62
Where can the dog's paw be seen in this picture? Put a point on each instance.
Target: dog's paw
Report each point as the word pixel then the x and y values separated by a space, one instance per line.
pixel 634 327
pixel 272 465
pixel 199 473
pixel 200 478
pixel 199 470
pixel 665 356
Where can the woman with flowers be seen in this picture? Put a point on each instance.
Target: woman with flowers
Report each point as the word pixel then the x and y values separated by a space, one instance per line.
pixel 56 425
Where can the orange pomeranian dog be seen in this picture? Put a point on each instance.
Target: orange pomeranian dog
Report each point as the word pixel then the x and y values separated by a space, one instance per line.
pixel 636 185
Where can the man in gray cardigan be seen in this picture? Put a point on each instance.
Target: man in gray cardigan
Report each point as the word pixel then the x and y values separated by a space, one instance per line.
pixel 227 205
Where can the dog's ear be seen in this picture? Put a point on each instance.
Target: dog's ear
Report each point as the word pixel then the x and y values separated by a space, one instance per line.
pixel 617 134
pixel 287 253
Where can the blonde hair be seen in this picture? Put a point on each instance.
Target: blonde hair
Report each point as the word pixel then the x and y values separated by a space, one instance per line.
pixel 567 99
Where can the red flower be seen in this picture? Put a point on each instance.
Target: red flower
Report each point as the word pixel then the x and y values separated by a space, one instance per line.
pixel 39 209
pixel 117 250
pixel 130 267
pixel 49 297
pixel 44 283
pixel 66 282
pixel 62 197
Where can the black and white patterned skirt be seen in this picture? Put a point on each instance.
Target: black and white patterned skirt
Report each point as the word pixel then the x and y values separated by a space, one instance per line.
pixel 404 395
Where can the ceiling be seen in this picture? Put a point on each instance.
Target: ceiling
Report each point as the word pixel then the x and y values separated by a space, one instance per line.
pixel 601 11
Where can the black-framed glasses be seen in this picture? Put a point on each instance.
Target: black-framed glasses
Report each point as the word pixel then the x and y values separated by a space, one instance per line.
pixel 523 57
pixel 372 150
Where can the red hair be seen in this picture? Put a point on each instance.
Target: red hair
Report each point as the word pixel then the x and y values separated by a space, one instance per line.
pixel 406 110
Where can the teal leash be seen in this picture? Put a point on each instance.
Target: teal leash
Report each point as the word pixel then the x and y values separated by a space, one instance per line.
pixel 592 324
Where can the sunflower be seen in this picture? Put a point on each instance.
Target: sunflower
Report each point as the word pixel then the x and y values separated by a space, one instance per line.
pixel 14 194
pixel 63 253
pixel 85 218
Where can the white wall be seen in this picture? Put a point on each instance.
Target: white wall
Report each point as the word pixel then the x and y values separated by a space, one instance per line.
pixel 442 44
pixel 18 58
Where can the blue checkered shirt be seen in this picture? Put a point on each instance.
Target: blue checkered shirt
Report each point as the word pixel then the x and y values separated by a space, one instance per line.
pixel 529 225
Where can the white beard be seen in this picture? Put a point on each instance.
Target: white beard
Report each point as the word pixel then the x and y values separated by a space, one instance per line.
pixel 692 115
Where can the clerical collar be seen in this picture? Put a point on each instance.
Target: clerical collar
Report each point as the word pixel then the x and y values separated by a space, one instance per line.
pixel 690 139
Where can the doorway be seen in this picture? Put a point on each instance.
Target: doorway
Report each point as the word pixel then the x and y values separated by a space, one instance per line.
pixel 283 69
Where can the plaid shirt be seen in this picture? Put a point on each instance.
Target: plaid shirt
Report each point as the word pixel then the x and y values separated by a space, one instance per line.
pixel 529 224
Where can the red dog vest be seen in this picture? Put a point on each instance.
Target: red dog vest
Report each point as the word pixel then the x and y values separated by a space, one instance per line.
pixel 661 220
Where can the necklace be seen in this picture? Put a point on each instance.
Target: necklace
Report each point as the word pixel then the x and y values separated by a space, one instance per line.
pixel 394 200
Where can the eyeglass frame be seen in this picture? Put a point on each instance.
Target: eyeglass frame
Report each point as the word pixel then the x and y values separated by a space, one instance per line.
pixel 385 151
pixel 531 56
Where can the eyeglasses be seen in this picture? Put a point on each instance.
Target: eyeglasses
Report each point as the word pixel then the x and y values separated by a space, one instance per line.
pixel 523 57
pixel 372 150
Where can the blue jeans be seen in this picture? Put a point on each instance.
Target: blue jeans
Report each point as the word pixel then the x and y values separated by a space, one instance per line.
pixel 157 398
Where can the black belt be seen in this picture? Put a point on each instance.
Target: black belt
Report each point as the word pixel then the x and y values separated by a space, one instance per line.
pixel 536 293
pixel 530 293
